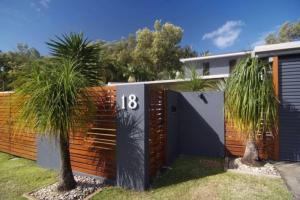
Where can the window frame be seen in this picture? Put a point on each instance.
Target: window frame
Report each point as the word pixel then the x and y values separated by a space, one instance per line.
pixel 205 69
pixel 232 66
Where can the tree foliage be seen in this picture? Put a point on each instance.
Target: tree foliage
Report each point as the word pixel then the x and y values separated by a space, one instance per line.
pixel 51 95
pixel 250 99
pixel 147 55
pixel 288 32
pixel 12 62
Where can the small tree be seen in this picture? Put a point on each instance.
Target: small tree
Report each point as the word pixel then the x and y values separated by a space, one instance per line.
pixel 51 95
pixel 251 103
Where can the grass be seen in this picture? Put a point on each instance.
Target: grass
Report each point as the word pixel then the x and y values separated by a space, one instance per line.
pixel 190 178
pixel 194 178
pixel 18 176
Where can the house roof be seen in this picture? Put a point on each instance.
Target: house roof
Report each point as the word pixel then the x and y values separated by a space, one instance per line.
pixel 242 53
pixel 261 50
pixel 277 49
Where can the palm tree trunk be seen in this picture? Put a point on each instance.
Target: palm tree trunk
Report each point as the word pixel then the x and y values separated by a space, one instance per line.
pixel 67 181
pixel 250 156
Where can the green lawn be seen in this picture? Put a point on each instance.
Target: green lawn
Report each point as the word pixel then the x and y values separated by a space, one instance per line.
pixel 192 178
pixel 18 176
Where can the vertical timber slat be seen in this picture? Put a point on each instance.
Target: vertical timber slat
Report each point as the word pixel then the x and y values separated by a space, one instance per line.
pixel 275 71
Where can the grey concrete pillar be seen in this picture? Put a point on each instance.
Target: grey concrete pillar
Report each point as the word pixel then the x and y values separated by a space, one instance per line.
pixel 132 137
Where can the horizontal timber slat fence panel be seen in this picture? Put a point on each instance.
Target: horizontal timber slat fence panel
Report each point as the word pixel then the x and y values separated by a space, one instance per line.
pixel 13 140
pixel 92 150
pixel 235 143
pixel 157 129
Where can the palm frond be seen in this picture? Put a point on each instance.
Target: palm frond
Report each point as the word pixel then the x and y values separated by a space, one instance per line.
pixel 250 101
pixel 52 98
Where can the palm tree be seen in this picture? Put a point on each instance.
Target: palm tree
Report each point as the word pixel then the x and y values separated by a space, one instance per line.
pixel 54 94
pixel 251 103
pixel 196 83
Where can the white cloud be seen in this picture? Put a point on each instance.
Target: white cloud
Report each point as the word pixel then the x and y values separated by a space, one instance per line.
pixel 44 3
pixel 226 35
pixel 39 5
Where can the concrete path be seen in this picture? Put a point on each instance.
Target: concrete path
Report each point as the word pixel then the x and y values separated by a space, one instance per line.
pixel 290 172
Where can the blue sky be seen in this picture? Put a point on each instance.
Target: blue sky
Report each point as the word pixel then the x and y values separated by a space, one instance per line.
pixel 217 26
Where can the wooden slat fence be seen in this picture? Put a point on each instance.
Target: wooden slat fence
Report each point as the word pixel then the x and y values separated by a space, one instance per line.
pixel 92 150
pixel 158 129
pixel 13 140
pixel 235 143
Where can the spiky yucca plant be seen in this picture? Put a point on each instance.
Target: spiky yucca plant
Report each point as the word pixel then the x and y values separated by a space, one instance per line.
pixel 250 102
pixel 196 83
pixel 51 95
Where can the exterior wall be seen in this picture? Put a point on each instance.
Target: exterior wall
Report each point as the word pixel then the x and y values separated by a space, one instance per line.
pixel 202 123
pixel 216 66
pixel 289 111
pixel 173 113
pixel 199 123
pixel 132 139
pixel 48 154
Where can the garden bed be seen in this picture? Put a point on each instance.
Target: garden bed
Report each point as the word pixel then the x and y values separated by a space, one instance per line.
pixel 86 186
pixel 267 168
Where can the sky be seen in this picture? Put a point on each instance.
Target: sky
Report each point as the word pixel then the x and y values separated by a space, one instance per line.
pixel 217 26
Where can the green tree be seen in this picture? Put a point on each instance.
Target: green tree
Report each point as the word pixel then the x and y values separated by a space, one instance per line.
pixel 147 55
pixel 116 58
pixel 55 92
pixel 158 50
pixel 288 32
pixel 13 62
pixel 251 103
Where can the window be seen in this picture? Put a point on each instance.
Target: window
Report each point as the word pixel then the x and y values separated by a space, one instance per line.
pixel 232 64
pixel 205 69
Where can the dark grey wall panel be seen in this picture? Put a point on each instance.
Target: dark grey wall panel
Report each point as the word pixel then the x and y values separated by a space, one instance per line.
pixel 201 123
pixel 289 113
pixel 173 126
pixel 48 154
pixel 132 139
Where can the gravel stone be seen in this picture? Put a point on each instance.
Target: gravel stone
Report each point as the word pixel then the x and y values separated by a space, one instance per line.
pixel 266 169
pixel 85 186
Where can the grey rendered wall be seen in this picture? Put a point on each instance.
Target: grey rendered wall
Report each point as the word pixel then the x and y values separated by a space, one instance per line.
pixel 217 66
pixel 132 139
pixel 173 126
pixel 199 124
pixel 289 112
pixel 48 154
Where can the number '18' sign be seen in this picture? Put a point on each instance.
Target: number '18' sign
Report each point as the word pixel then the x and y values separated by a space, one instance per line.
pixel 132 102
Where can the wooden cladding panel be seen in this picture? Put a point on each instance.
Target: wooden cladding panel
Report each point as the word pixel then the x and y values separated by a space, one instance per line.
pixel 94 151
pixel 157 129
pixel 235 143
pixel 13 140
pixel 275 73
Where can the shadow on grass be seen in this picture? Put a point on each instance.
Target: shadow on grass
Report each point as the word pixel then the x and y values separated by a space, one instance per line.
pixel 187 168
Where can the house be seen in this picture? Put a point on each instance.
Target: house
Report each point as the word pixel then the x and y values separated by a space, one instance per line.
pixel 221 65
pixel 213 66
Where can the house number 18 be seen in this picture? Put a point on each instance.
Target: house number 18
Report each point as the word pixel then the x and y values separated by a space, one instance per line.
pixel 132 102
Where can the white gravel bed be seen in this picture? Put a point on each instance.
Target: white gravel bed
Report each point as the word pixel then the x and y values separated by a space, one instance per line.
pixel 266 169
pixel 85 187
